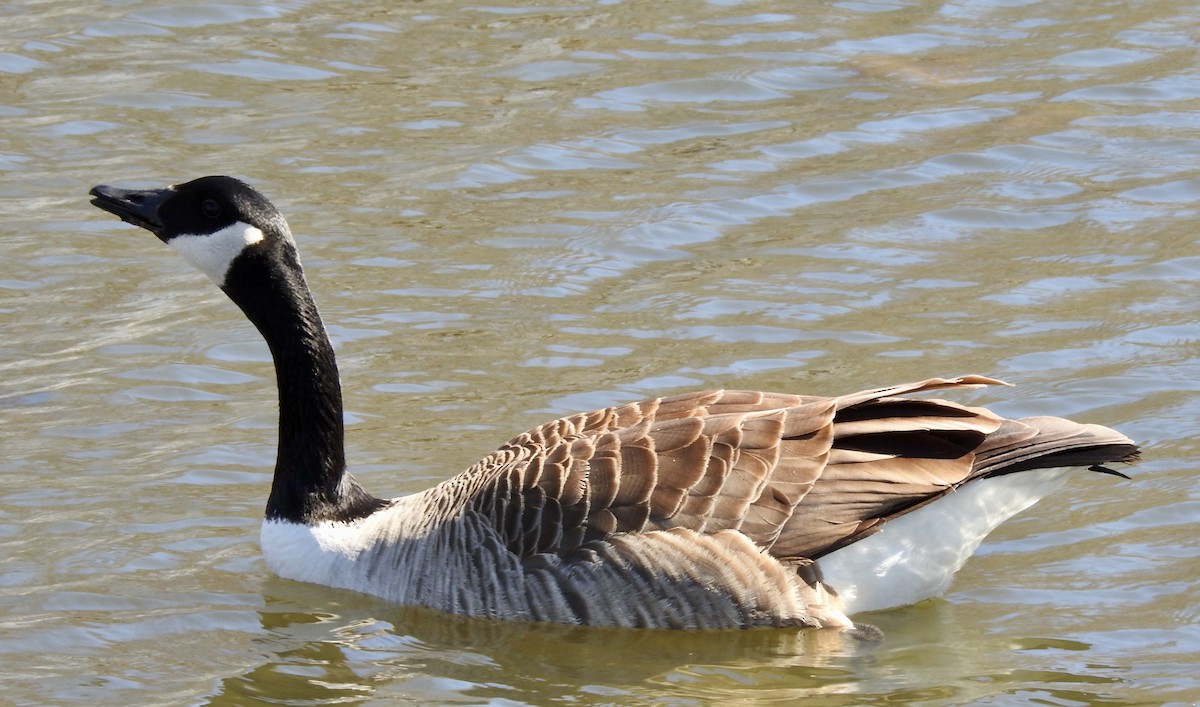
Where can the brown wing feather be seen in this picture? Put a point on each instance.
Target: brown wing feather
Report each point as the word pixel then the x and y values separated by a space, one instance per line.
pixel 798 476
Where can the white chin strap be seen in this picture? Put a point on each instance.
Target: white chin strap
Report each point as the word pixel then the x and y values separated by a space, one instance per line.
pixel 213 253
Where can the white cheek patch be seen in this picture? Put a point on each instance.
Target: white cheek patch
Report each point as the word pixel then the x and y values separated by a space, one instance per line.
pixel 213 253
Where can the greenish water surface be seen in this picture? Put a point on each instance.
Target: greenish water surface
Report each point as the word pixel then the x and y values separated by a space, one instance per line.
pixel 512 212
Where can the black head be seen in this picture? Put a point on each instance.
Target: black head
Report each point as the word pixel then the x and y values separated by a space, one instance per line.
pixel 200 207
pixel 210 220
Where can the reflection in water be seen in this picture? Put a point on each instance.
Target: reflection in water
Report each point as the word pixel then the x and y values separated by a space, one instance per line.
pixel 369 649
pixel 361 650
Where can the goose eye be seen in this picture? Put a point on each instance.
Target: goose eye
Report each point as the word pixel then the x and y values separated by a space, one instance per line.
pixel 210 208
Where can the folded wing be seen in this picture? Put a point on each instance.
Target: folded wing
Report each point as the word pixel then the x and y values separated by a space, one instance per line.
pixel 799 476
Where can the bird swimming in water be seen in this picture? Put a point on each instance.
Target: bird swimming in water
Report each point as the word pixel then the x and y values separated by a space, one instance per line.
pixel 714 509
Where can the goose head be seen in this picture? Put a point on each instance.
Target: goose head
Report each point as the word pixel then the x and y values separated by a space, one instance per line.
pixel 211 221
pixel 236 236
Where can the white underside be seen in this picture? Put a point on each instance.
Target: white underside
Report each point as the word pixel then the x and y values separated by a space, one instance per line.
pixel 397 554
pixel 914 557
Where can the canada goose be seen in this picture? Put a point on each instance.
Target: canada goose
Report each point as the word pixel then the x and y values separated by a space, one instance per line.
pixel 714 509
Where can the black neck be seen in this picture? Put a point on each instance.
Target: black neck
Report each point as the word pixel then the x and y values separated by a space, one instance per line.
pixel 311 483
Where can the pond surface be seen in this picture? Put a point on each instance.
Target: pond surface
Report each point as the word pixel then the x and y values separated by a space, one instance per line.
pixel 512 212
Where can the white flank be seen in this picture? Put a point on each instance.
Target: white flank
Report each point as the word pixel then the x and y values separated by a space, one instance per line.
pixel 212 253
pixel 915 556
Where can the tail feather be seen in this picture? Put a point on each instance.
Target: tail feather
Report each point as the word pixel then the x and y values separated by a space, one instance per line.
pixel 1048 442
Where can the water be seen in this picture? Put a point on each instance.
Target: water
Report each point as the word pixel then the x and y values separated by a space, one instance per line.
pixel 511 212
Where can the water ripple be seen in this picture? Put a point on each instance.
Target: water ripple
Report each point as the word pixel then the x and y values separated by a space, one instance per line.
pixel 513 212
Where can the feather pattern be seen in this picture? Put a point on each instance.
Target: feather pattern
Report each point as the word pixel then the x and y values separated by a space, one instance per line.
pixel 708 509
